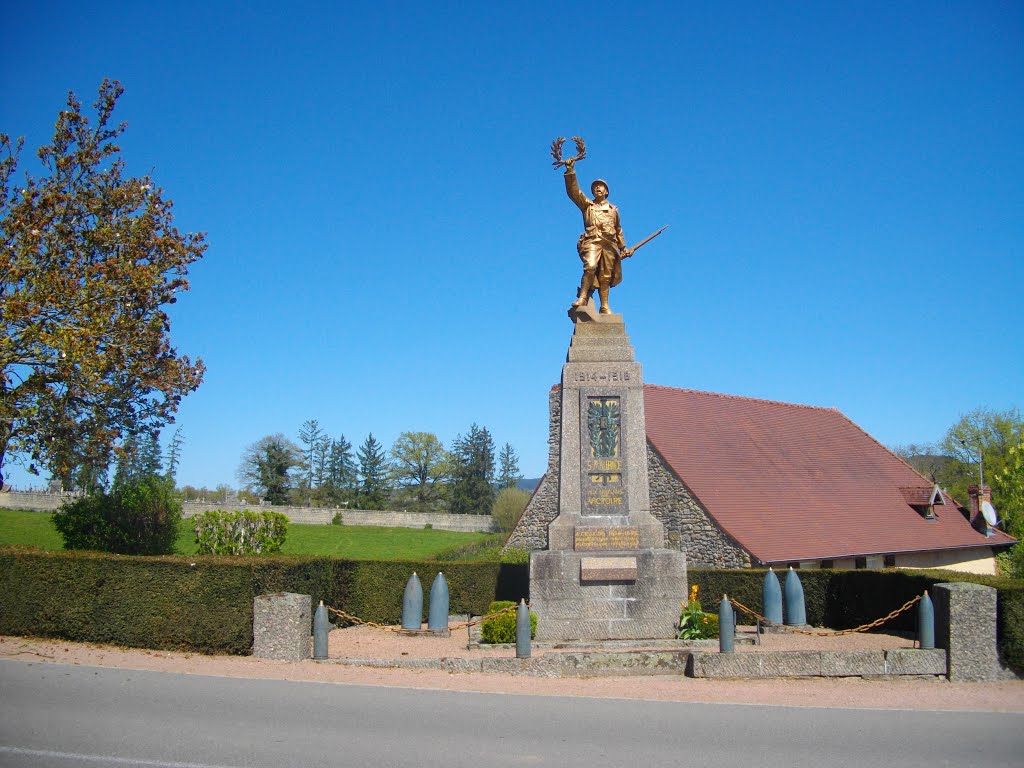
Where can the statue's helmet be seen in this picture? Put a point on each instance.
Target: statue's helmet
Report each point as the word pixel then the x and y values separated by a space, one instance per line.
pixel 595 182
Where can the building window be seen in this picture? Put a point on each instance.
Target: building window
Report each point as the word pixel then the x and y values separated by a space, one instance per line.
pixel 890 561
pixel 794 565
pixel 860 562
pixel 828 563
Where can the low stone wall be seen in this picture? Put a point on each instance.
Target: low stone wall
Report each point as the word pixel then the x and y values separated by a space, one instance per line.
pixel 36 502
pixel 382 518
pixel 895 662
pixel 48 502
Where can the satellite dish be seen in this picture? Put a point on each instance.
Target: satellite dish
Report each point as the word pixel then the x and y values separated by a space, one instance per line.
pixel 989 512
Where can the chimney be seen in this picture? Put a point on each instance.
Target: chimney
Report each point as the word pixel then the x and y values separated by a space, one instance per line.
pixel 979 495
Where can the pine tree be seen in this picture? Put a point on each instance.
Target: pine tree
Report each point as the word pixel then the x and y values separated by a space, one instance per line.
pixel 313 455
pixel 508 463
pixel 174 454
pixel 374 489
pixel 138 458
pixel 472 490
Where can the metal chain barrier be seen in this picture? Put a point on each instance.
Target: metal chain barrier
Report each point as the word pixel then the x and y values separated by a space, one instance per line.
pixel 391 628
pixel 832 633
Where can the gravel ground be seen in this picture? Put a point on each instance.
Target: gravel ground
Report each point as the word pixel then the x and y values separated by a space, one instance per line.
pixel 362 642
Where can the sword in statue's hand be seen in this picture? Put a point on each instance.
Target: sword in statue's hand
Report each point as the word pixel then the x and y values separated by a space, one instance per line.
pixel 630 251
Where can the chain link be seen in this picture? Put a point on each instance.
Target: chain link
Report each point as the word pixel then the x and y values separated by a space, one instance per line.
pixel 834 633
pixel 390 628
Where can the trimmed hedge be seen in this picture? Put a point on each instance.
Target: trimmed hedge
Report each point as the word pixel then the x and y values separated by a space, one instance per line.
pixel 204 603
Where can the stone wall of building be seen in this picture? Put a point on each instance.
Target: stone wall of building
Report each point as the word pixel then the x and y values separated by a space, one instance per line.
pixel 688 526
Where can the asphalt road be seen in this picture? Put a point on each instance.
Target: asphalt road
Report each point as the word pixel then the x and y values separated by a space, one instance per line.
pixel 60 715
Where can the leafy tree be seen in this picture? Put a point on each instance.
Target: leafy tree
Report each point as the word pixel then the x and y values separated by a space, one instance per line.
pixel 980 435
pixel 137 517
pixel 472 490
pixel 991 437
pixel 508 467
pixel 509 507
pixel 373 473
pixel 266 467
pixel 420 466
pixel 88 261
pixel 1008 489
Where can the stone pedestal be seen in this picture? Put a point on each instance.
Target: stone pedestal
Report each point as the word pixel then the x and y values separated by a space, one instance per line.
pixel 282 623
pixel 606 574
pixel 965 626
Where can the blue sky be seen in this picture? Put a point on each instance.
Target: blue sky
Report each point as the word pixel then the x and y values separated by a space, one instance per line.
pixel 390 249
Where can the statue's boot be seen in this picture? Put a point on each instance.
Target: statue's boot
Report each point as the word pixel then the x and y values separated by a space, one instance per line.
pixel 585 292
pixel 605 309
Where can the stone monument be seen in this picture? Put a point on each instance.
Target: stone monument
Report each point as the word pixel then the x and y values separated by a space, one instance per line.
pixel 606 574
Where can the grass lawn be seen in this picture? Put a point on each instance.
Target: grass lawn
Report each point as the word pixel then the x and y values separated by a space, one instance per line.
pixel 33 529
pixel 343 541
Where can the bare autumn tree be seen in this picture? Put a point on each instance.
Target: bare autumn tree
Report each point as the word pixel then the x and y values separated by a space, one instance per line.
pixel 89 259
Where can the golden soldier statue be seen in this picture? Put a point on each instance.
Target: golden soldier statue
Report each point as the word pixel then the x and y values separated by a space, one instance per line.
pixel 602 246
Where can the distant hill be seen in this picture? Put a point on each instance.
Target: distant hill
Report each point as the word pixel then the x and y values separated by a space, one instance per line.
pixel 528 484
pixel 929 465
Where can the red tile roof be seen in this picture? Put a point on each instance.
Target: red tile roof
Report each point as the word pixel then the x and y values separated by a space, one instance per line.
pixel 795 482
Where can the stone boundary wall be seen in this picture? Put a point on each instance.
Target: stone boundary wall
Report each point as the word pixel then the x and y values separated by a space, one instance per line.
pixel 36 502
pixel 48 502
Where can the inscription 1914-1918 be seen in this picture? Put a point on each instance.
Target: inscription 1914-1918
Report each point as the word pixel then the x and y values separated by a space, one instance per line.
pixel 601 377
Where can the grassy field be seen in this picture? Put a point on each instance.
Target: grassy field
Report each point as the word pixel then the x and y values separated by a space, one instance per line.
pixel 350 542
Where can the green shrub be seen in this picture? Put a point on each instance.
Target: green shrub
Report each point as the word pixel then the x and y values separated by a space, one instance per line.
pixel 428 527
pixel 487 548
pixel 515 555
pixel 502 629
pixel 509 507
pixel 337 519
pixel 137 517
pixel 240 533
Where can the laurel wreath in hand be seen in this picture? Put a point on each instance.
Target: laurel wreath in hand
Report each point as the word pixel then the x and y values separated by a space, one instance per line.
pixel 556 151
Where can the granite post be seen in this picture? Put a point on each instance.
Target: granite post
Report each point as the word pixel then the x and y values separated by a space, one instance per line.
pixel 965 626
pixel 606 574
pixel 282 623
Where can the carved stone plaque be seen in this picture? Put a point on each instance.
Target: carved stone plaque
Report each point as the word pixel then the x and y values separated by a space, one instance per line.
pixel 606 538
pixel 607 569
pixel 603 469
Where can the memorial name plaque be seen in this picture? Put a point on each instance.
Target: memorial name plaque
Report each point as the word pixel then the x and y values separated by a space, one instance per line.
pixel 603 469
pixel 611 538
pixel 607 569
